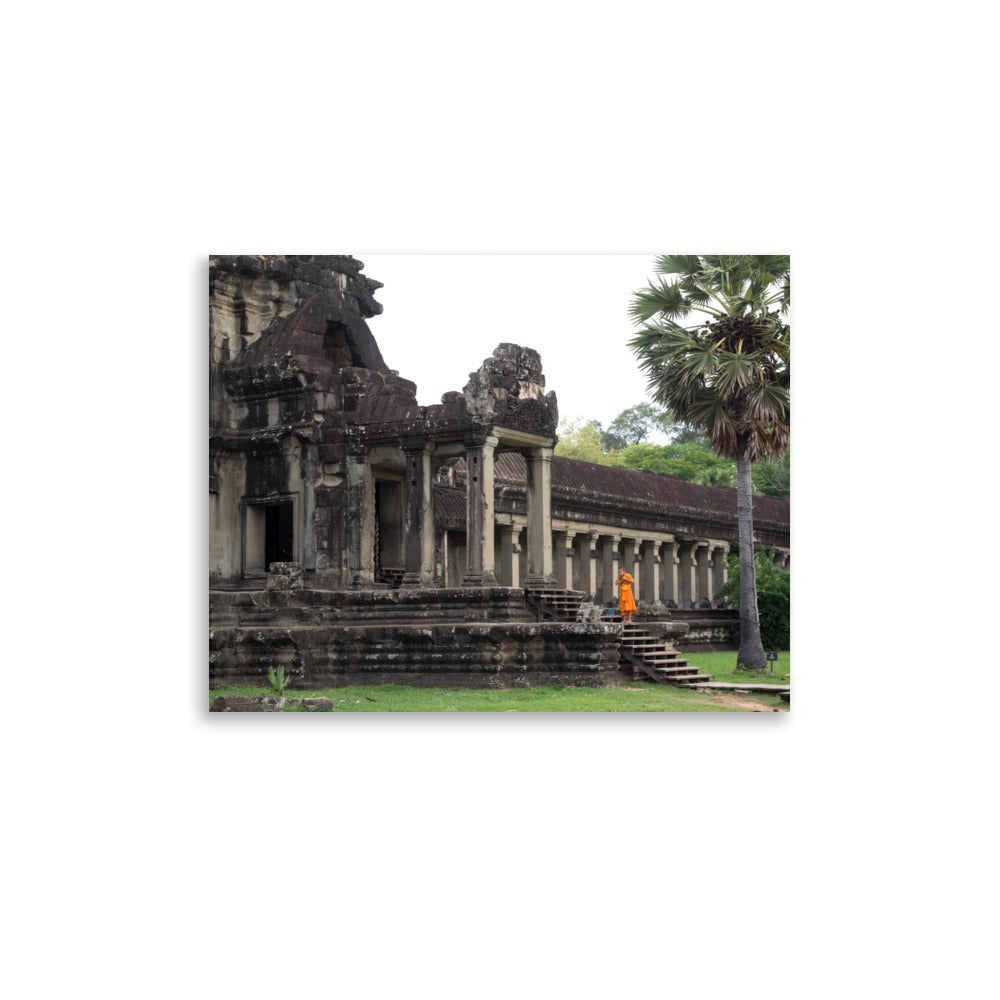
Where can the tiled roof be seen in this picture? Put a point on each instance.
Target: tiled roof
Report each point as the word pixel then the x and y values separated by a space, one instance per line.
pixel 449 504
pixel 571 476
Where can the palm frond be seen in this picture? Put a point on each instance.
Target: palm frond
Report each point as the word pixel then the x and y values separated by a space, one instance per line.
pixel 662 299
pixel 730 377
pixel 678 263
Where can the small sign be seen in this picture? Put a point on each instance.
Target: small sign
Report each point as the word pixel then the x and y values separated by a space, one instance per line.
pixel 771 657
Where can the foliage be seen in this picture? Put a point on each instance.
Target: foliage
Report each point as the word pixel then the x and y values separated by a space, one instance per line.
pixel 686 434
pixel 773 479
pixel 278 680
pixel 717 475
pixel 773 599
pixel 583 441
pixel 690 462
pixel 727 374
pixel 640 423
pixel 635 425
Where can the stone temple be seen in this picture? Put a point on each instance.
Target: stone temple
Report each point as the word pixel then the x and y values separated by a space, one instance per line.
pixel 355 535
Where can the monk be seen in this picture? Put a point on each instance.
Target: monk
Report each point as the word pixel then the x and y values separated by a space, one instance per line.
pixel 626 602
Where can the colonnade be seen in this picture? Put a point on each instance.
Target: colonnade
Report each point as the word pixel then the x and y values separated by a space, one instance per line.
pixel 420 457
pixel 514 550
pixel 587 559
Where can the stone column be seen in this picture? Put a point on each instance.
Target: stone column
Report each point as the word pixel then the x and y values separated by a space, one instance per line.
pixel 539 465
pixel 479 513
pixel 510 550
pixel 566 560
pixel 441 556
pixel 668 572
pixel 360 520
pixel 651 570
pixel 590 584
pixel 686 573
pixel 418 515
pixel 633 563
pixel 308 548
pixel 720 567
pixel 703 560
pixel 609 566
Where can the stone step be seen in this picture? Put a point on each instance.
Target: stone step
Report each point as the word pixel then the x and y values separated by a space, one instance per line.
pixel 563 604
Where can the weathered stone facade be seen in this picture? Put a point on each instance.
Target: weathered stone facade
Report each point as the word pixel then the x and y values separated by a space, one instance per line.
pixel 320 454
pixel 326 477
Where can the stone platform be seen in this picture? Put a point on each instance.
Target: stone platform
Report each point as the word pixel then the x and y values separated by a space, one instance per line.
pixel 457 637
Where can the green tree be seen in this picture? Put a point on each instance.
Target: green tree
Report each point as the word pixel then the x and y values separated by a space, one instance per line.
pixel 773 479
pixel 581 440
pixel 692 462
pixel 774 599
pixel 639 423
pixel 635 425
pixel 727 374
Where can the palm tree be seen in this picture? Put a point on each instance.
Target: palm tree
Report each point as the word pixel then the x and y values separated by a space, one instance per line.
pixel 727 374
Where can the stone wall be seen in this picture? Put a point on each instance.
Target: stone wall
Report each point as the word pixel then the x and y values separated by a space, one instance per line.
pixel 503 655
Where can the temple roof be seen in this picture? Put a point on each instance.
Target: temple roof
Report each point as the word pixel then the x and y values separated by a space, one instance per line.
pixel 572 477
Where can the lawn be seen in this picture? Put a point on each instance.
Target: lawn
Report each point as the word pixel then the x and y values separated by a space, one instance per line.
pixel 632 696
pixel 722 667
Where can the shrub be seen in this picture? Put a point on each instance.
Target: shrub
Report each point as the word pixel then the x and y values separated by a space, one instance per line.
pixel 278 680
pixel 774 599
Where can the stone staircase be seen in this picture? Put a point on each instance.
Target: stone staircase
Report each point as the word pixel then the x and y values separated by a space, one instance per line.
pixel 654 657
pixel 553 603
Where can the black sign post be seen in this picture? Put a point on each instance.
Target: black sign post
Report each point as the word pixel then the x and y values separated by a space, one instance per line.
pixel 771 657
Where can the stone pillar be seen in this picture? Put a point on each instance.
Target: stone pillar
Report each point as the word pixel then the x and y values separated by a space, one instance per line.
pixel 558 562
pixel 668 573
pixel 686 568
pixel 633 564
pixel 651 571
pixel 565 561
pixel 479 513
pixel 360 520
pixel 510 551
pixel 418 516
pixel 703 558
pixel 441 558
pixel 308 548
pixel 591 554
pixel 720 567
pixel 609 566
pixel 539 466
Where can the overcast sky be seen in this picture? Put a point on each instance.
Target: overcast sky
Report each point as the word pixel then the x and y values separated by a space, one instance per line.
pixel 445 313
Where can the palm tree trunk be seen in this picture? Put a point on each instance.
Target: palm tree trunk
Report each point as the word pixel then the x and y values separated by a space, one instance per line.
pixel 751 652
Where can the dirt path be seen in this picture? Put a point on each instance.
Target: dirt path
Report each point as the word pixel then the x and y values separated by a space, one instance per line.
pixel 745 702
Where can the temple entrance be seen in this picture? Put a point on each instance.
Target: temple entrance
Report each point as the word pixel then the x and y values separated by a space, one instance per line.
pixel 269 535
pixel 388 531
pixel 278 534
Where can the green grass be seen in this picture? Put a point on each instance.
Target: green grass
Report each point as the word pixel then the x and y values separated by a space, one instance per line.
pixel 632 696
pixel 722 667
pixel 640 696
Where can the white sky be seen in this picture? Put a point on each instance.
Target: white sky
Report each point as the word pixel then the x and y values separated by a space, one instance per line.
pixel 445 313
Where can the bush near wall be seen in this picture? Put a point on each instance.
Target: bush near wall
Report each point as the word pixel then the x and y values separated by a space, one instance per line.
pixel 774 599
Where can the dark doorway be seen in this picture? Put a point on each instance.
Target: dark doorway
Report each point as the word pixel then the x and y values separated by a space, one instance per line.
pixel 278 533
pixel 388 532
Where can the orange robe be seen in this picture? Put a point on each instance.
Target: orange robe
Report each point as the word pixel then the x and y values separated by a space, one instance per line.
pixel 626 602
